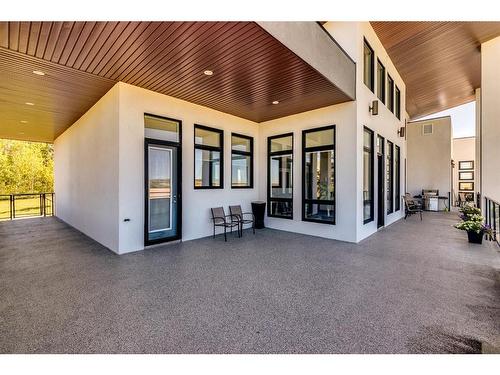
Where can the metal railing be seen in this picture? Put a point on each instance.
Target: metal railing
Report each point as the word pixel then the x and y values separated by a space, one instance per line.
pixel 13 206
pixel 492 215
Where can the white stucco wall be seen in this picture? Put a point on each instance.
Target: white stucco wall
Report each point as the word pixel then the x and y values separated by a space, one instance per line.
pixel 196 204
pixel 463 149
pixel 429 156
pixel 86 173
pixel 490 115
pixel 121 128
pixel 350 36
pixel 343 116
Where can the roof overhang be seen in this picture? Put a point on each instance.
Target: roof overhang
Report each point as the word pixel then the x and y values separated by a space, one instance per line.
pixel 253 66
pixel 440 62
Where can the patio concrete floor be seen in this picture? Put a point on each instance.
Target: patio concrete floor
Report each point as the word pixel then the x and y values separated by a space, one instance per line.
pixel 412 287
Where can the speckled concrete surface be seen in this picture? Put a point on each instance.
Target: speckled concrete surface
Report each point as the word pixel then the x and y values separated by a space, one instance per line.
pixel 413 287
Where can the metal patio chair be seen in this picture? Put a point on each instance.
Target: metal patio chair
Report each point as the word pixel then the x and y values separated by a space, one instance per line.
pixel 236 210
pixel 412 206
pixel 220 219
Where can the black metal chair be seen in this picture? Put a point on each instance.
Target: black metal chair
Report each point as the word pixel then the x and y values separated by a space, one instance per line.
pixel 236 210
pixel 220 219
pixel 411 206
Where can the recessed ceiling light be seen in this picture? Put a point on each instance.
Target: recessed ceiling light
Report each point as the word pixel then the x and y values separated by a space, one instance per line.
pixel 276 102
pixel 29 103
pixel 21 133
pixel 208 72
pixel 24 122
pixel 38 72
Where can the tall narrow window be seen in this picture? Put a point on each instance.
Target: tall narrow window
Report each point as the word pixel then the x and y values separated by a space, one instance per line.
pixel 397 103
pixel 397 167
pixel 390 177
pixel 369 65
pixel 380 81
pixel 208 158
pixel 280 176
pixel 368 203
pixel 390 93
pixel 318 175
pixel 241 161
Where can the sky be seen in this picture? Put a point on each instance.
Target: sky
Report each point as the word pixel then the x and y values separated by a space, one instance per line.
pixel 463 119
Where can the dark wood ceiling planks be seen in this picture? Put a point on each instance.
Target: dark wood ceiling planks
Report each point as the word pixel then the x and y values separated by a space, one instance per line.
pixel 440 62
pixel 251 68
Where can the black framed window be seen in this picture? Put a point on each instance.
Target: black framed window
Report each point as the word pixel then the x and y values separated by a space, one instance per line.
pixel 368 165
pixel 465 175
pixel 208 158
pixel 466 165
pixel 397 103
pixel 397 168
pixel 280 176
pixel 318 175
pixel 380 81
pixel 467 186
pixel 241 161
pixel 368 65
pixel 390 93
pixel 390 177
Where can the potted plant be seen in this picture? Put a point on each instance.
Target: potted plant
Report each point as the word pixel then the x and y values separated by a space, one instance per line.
pixel 468 210
pixel 474 226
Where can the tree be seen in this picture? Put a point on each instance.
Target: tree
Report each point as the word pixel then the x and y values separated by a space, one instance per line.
pixel 26 167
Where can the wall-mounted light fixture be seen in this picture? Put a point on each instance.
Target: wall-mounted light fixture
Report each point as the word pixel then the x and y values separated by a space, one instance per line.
pixel 374 108
pixel 401 131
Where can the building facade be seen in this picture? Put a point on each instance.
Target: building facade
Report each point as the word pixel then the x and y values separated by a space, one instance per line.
pixel 141 168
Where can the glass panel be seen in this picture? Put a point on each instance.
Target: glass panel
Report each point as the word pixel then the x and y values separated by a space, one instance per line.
pixel 367 175
pixel 368 66
pixel 207 168
pixel 207 137
pixel 161 128
pixel 389 173
pixel 319 175
pixel 323 212
pixel 390 93
pixel 160 175
pixel 284 209
pixel 465 165
pixel 282 144
pixel 241 144
pixel 466 186
pixel 319 138
pixel 380 145
pixel 380 82
pixel 398 103
pixel 397 167
pixel 281 176
pixel 240 175
pixel 465 175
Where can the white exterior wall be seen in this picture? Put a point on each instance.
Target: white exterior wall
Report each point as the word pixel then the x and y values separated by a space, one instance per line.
pixel 196 204
pixel 463 149
pixel 343 116
pixel 350 36
pixel 490 115
pixel 86 173
pixel 429 156
pixel 126 167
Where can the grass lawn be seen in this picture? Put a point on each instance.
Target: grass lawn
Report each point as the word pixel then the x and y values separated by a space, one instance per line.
pixel 25 206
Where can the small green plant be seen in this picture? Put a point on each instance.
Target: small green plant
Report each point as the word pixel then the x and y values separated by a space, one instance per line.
pixel 468 210
pixel 474 223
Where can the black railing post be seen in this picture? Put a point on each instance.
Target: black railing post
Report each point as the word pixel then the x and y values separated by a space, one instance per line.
pixel 11 204
pixel 44 205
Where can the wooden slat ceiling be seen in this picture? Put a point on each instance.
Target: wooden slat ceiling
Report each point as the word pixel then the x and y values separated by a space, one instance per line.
pixel 440 62
pixel 84 59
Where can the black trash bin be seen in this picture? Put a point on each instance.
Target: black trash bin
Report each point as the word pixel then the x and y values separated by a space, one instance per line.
pixel 258 210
